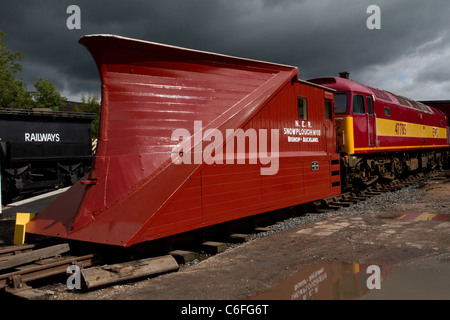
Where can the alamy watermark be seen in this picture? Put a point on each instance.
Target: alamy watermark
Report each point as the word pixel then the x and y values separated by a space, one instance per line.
pixel 374 280
pixel 74 20
pixel 74 279
pixel 374 21
pixel 236 146
pixel 190 149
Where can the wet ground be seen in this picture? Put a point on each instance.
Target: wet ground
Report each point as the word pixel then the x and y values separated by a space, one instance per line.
pixel 335 280
pixel 427 279
pixel 392 246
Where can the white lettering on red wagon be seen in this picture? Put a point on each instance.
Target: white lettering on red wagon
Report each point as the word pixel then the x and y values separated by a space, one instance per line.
pixel 303 132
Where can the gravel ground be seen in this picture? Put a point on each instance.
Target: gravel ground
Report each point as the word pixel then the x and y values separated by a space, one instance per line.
pixel 384 202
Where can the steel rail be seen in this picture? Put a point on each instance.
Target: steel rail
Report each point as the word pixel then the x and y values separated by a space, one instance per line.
pixel 36 272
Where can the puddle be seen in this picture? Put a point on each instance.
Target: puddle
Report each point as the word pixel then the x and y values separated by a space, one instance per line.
pixel 425 280
pixel 334 280
pixel 424 216
pixel 331 280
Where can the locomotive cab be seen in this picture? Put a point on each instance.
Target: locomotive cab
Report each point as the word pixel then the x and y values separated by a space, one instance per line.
pixel 355 112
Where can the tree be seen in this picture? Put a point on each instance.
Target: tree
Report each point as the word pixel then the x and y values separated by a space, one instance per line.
pixel 46 95
pixel 13 90
pixel 13 93
pixel 91 104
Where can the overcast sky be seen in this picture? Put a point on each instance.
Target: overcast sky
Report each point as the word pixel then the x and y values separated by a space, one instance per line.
pixel 409 55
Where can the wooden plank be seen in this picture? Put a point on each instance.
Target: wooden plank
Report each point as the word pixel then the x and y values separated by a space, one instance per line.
pixel 34 255
pixel 389 189
pixel 372 193
pixel 356 198
pixel 343 203
pixel 27 293
pixel 42 262
pixel 239 237
pixel 352 200
pixel 262 229
pixel 102 276
pixel 327 210
pixel 16 248
pixel 332 207
pixel 214 247
pixel 183 256
pixel 360 198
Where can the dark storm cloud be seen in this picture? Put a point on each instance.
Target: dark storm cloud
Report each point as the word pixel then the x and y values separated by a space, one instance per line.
pixel 322 37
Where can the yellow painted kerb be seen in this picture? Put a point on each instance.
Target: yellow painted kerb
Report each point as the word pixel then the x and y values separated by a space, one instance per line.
pixel 21 222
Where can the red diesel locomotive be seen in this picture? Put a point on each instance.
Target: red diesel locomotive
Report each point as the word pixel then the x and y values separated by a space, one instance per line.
pixel 382 135
pixel 190 139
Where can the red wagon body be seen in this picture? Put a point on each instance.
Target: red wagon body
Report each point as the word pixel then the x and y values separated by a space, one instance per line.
pixel 189 139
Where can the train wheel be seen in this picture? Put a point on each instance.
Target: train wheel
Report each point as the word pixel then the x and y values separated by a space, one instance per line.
pixel 398 167
pixel 366 174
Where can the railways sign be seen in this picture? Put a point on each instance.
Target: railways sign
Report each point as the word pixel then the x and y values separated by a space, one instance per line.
pixel 42 137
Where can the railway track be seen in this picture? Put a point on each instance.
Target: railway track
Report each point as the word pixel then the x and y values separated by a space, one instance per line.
pixel 92 267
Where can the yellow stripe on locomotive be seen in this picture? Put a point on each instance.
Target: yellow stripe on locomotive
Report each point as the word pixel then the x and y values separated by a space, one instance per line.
pixel 393 128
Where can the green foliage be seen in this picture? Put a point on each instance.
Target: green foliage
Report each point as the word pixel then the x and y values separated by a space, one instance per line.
pixel 13 91
pixel 46 95
pixel 91 104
